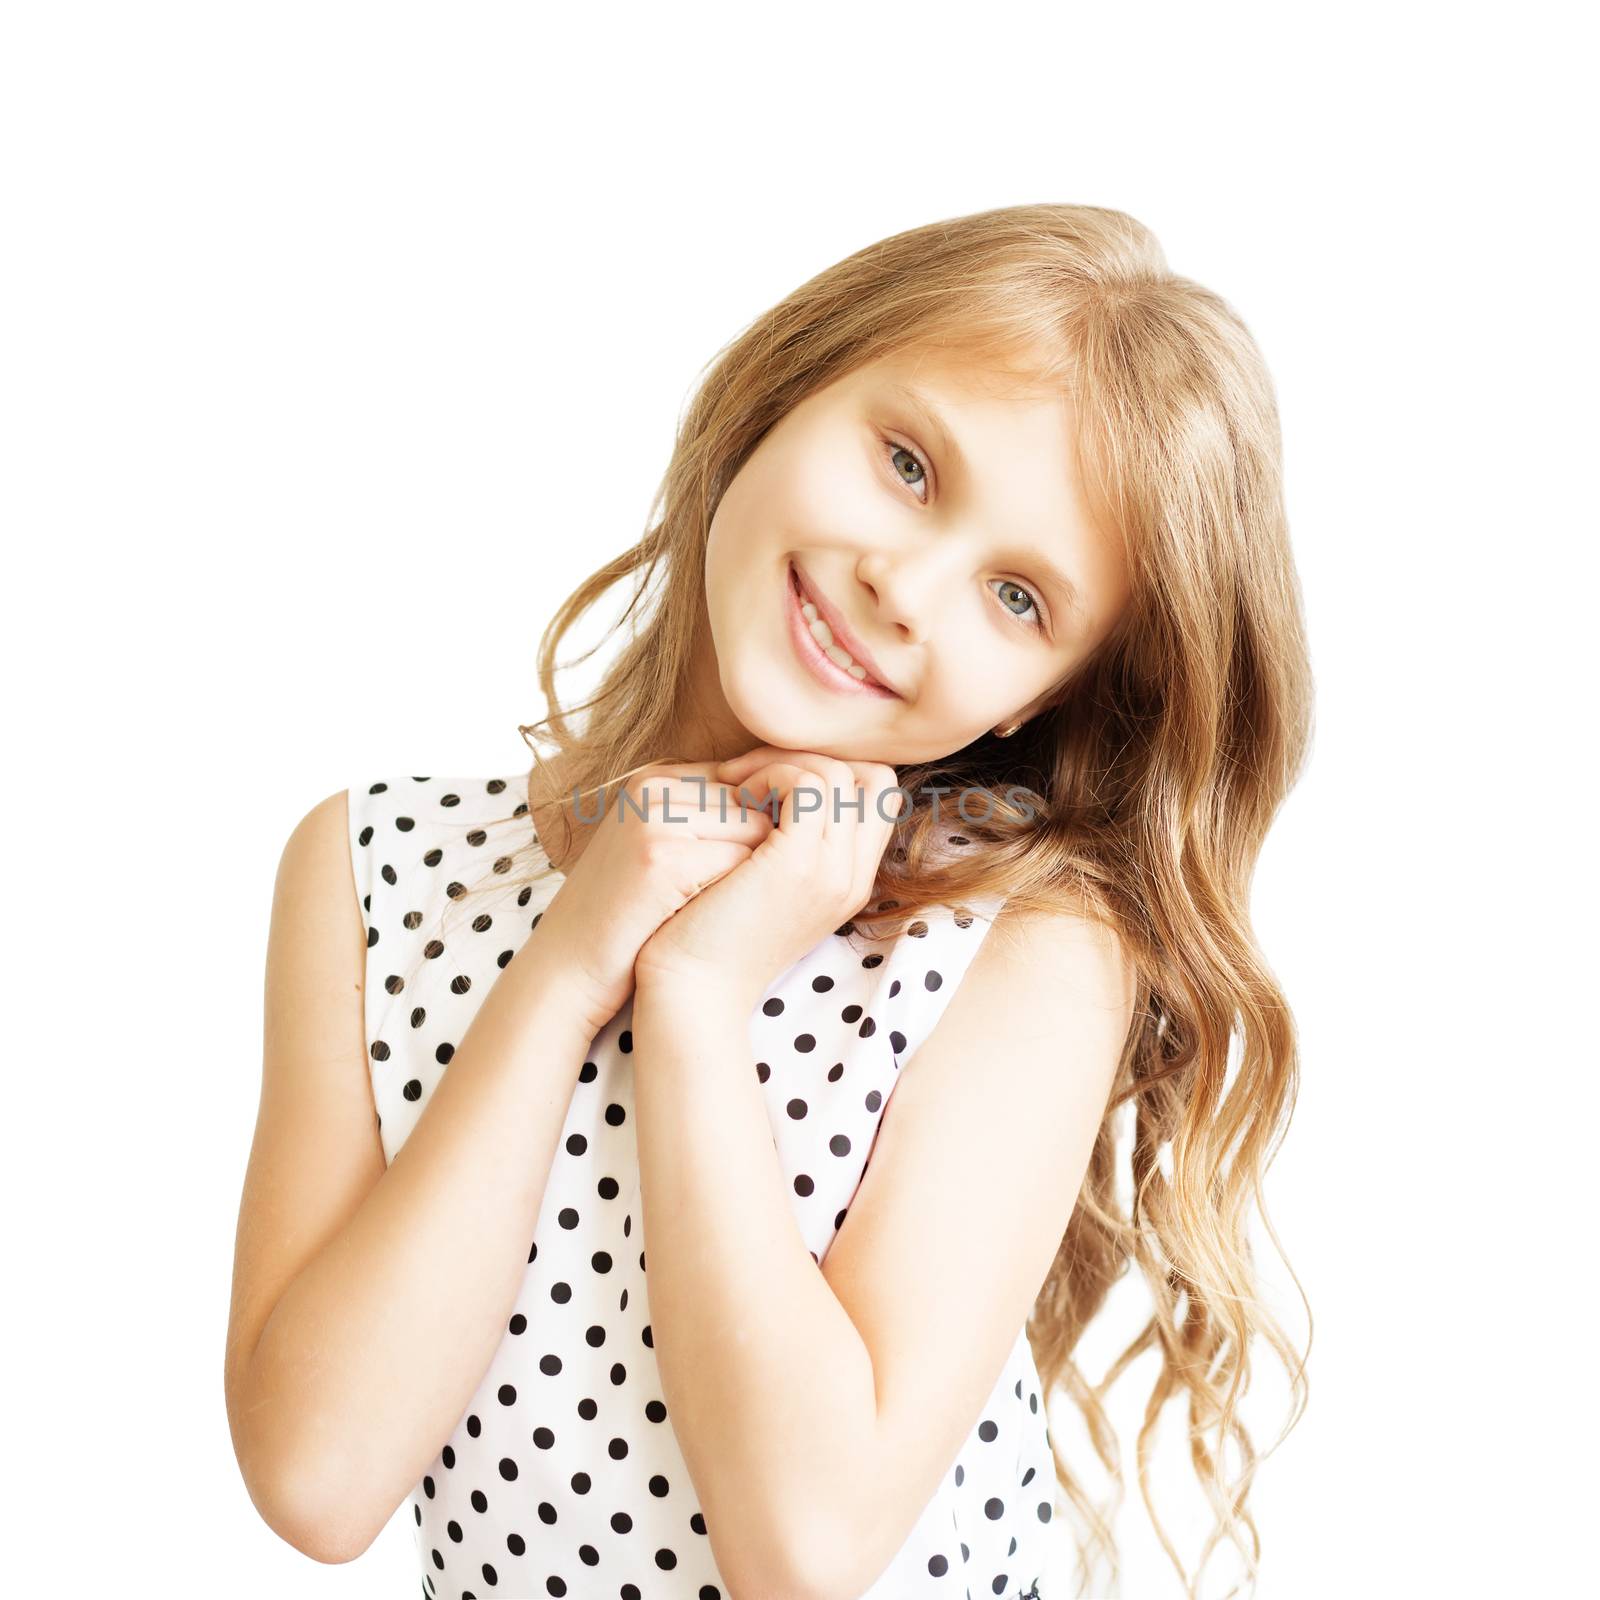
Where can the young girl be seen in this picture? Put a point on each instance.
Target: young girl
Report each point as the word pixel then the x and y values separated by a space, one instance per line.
pixel 686 1168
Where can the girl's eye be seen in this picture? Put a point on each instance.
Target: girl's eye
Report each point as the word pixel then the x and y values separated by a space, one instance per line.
pixel 1017 589
pixel 913 463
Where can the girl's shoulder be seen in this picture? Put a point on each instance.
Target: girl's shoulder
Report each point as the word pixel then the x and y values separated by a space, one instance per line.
pixel 1066 937
pixel 410 802
pixel 401 826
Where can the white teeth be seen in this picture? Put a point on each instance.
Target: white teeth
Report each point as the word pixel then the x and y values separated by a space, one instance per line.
pixel 823 634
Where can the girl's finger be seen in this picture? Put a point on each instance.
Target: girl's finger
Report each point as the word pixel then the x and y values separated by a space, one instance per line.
pixel 737 767
pixel 843 793
pixel 783 779
pixel 806 808
pixel 776 778
pixel 715 860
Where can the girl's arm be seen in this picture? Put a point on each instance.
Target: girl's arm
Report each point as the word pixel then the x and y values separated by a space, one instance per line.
pixel 818 1410
pixel 368 1302
pixel 766 1380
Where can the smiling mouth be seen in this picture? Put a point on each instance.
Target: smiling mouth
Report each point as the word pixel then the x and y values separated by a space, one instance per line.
pixel 817 626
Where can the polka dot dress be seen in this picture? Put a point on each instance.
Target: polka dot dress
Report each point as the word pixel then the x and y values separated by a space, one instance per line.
pixel 563 1476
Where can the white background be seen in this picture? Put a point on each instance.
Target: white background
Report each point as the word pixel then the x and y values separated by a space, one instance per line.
pixel 340 342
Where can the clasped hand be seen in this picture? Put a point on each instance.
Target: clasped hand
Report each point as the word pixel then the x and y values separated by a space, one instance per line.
pixel 810 874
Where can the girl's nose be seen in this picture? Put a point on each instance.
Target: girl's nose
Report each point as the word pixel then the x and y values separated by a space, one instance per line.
pixel 910 590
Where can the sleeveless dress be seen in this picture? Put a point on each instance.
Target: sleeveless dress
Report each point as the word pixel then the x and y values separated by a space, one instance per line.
pixel 563 1475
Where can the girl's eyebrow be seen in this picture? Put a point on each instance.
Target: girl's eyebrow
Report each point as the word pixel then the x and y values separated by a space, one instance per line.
pixel 928 414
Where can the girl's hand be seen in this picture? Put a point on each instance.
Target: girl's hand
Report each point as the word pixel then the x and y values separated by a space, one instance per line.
pixel 806 878
pixel 638 870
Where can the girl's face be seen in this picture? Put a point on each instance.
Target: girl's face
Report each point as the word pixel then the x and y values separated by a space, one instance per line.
pixel 947 540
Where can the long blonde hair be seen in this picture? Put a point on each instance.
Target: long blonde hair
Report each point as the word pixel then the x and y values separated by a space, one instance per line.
pixel 1148 784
